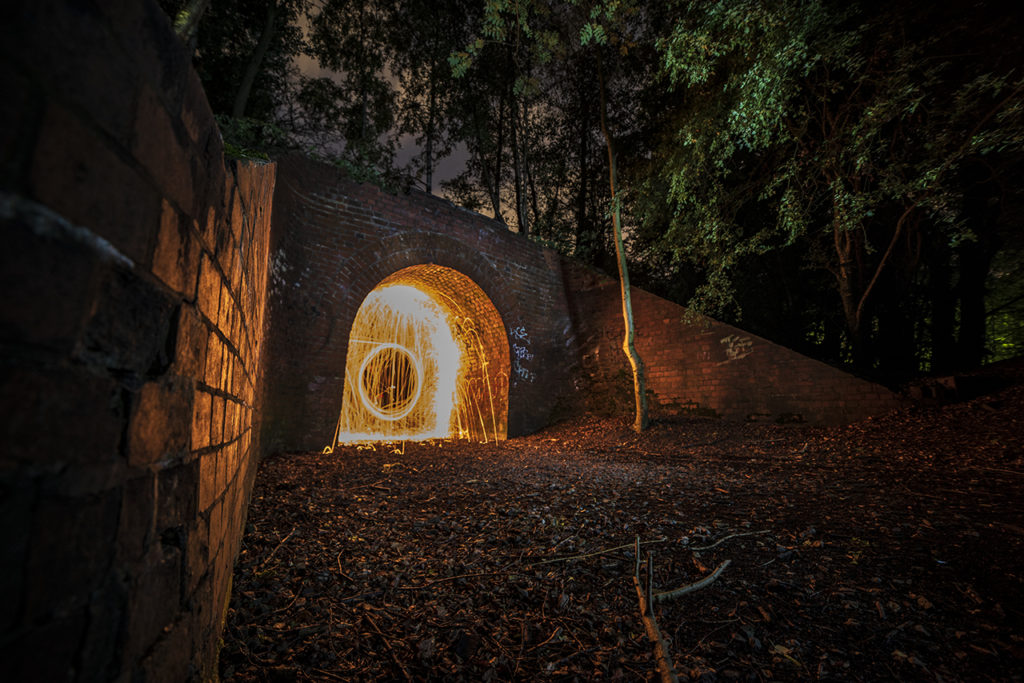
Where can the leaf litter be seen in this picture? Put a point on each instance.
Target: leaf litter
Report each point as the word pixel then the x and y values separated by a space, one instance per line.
pixel 891 549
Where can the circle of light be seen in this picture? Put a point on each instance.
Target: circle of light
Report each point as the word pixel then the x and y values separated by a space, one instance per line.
pixel 370 404
pixel 434 342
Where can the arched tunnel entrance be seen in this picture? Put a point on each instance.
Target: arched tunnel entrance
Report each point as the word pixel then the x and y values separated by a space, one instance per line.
pixel 427 358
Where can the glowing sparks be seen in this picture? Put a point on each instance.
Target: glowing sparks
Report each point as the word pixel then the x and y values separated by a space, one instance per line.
pixel 403 365
pixel 428 357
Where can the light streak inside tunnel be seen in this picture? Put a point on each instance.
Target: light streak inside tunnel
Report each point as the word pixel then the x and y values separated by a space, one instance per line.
pixel 402 369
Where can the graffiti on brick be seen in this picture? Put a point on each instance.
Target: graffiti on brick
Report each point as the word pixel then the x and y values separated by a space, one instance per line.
pixel 737 347
pixel 521 354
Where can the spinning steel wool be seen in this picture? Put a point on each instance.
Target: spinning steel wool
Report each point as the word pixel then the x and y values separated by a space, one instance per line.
pixel 402 368
pixel 428 357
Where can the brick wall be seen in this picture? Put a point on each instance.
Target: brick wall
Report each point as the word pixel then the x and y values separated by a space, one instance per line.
pixel 133 270
pixel 704 367
pixel 335 240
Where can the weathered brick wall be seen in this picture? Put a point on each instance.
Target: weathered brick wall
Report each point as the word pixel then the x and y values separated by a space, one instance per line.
pixel 705 367
pixel 335 240
pixel 133 270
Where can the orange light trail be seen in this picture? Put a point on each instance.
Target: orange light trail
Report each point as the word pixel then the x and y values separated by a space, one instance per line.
pixel 402 369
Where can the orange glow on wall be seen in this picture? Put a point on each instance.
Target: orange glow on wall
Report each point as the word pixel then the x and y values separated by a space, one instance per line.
pixel 427 358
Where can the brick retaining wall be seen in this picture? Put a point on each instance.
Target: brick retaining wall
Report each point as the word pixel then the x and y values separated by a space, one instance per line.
pixel 133 272
pixel 704 367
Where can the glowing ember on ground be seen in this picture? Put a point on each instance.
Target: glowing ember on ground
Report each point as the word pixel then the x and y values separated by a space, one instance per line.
pixel 403 365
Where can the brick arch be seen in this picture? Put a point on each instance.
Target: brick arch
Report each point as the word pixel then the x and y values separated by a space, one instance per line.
pixel 428 254
pixel 481 410
pixel 424 245
pixel 334 240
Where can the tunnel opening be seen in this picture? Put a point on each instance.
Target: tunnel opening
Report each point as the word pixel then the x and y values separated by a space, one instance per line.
pixel 428 358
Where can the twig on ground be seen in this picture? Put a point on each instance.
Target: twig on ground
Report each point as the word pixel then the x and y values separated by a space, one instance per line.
pixel 342 571
pixel 272 552
pixel 726 538
pixel 387 644
pixel 706 581
pixel 288 606
pixel 364 486
pixel 595 553
pixel 361 596
pixel 554 634
pixel 446 579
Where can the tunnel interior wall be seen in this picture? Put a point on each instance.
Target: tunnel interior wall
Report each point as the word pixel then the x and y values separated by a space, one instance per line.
pixel 133 275
pixel 334 240
pixel 703 367
pixel 484 375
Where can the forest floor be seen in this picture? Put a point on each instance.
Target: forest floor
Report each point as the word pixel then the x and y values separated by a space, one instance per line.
pixel 891 549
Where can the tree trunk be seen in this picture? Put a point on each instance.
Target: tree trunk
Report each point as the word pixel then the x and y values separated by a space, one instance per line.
pixel 943 312
pixel 522 219
pixel 252 69
pixel 846 274
pixel 186 24
pixel 428 153
pixel 628 346
pixel 975 261
pixel 583 153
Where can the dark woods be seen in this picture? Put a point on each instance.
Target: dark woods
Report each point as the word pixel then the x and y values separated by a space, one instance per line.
pixel 841 179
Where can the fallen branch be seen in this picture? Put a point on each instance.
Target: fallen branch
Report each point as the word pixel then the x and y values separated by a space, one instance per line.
pixel 596 553
pixel 726 538
pixel 661 654
pixel 706 581
pixel 665 666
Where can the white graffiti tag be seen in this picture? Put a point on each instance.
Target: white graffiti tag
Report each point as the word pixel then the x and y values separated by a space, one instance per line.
pixel 521 354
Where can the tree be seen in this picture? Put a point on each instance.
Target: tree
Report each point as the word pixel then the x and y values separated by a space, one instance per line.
pixel 428 102
pixel 520 27
pixel 351 39
pixel 851 131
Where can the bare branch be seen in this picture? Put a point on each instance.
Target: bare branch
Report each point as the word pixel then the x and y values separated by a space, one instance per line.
pixel 665 666
pixel 703 583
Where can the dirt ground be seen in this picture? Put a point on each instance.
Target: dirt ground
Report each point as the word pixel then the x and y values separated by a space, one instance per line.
pixel 892 549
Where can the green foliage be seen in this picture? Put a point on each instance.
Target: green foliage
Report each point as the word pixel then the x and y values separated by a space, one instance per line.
pixel 838 133
pixel 1005 304
pixel 249 138
pixel 817 170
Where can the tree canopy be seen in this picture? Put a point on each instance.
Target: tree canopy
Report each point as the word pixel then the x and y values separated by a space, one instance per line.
pixel 838 177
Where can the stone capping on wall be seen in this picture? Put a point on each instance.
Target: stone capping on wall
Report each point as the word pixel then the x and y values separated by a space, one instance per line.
pixel 134 275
